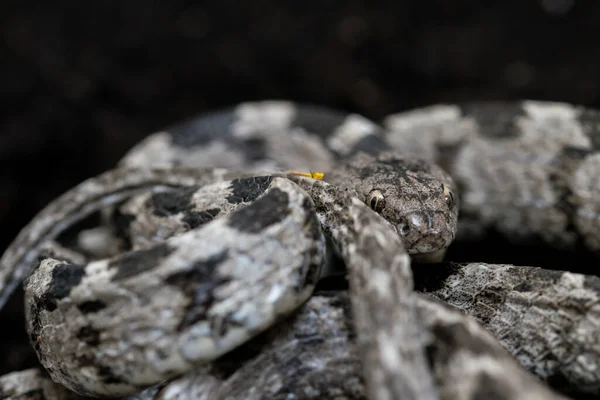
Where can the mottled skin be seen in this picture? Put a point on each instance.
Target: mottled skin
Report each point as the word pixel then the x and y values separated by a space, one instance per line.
pixel 548 320
pixel 211 288
pixel 20 257
pixel 33 384
pixel 314 355
pixel 316 345
pixel 418 211
pixel 80 317
pixel 323 331
pixel 415 200
pixel 468 363
pixel 389 334
pixel 526 170
pixel 268 134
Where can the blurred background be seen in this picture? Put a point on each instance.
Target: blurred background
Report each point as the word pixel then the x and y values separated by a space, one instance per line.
pixel 81 82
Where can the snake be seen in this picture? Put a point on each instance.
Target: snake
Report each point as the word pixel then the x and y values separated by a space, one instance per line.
pixel 202 278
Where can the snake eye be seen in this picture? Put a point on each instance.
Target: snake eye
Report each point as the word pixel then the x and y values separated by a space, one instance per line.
pixel 448 196
pixel 376 200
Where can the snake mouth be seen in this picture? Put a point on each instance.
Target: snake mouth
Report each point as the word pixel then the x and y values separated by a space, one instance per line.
pixel 428 243
pixel 431 257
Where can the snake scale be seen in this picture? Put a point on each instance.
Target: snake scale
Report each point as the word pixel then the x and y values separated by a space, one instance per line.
pixel 199 280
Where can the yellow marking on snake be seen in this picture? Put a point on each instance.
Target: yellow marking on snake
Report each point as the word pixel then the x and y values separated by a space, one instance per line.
pixel 313 175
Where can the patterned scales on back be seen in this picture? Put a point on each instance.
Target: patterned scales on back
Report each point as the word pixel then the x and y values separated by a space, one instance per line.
pixel 217 260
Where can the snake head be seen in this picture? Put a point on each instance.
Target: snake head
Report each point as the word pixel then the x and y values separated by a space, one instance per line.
pixel 416 196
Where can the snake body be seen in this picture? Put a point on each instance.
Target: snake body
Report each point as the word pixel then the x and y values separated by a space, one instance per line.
pixel 218 256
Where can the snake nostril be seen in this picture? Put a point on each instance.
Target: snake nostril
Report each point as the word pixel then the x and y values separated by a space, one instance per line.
pixel 403 227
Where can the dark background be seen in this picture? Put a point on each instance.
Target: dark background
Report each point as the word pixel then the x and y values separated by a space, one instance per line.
pixel 81 82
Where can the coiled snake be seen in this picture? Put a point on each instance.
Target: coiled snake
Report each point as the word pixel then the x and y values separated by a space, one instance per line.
pixel 199 282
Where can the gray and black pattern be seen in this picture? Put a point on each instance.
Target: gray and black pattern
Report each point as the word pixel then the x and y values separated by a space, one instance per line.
pixel 94 324
pixel 547 319
pixel 314 356
pixel 116 326
pixel 264 135
pixel 527 170
pixel 33 384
